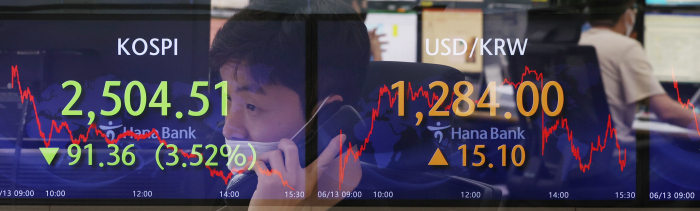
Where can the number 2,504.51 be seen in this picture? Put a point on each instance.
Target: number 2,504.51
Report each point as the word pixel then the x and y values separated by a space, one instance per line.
pixel 161 95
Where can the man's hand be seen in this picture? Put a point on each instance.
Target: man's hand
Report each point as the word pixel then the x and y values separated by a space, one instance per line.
pixel 286 173
pixel 670 111
pixel 376 45
pixel 284 164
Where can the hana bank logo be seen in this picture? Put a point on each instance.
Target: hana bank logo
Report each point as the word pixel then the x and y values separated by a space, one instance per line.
pixel 109 130
pixel 165 132
pixel 437 131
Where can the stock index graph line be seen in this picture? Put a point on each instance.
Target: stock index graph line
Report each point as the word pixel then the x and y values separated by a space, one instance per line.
pixel 420 92
pixel 563 123
pixel 375 113
pixel 687 104
pixel 58 127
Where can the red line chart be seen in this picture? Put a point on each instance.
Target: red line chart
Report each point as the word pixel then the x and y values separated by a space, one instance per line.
pixel 687 104
pixel 563 123
pixel 226 178
pixel 343 161
pixel 59 127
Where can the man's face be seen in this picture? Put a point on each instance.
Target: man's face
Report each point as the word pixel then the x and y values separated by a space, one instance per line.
pixel 259 112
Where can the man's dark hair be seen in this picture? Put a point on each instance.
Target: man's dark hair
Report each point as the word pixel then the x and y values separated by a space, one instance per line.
pixel 607 12
pixel 270 37
pixel 349 2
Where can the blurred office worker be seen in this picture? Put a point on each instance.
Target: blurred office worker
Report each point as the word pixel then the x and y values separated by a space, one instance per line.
pixel 627 74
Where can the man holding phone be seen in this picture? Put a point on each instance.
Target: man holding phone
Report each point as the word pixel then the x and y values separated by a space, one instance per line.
pixel 261 53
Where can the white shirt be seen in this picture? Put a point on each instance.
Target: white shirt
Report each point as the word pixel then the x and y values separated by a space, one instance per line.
pixel 627 76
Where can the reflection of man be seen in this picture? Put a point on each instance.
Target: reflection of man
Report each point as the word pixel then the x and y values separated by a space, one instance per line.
pixel 627 75
pixel 261 53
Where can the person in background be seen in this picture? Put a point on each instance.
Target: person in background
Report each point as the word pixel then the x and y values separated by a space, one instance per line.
pixel 627 74
pixel 360 7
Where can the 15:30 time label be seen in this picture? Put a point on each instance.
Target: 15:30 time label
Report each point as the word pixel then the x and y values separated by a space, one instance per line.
pixel 159 99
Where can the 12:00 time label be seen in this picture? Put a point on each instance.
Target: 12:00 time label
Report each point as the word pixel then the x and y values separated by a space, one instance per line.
pixel 143 194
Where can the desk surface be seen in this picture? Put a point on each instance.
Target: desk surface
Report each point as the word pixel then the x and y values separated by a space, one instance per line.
pixel 645 121
pixel 656 126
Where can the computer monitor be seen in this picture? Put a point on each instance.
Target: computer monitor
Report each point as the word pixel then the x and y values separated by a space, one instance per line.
pixel 673 2
pixel 400 32
pixel 672 46
pixel 464 24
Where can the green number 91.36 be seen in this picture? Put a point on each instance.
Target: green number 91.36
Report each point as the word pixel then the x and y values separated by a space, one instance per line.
pixel 127 158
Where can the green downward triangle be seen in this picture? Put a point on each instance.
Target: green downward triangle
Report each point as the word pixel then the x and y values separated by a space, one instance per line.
pixel 49 153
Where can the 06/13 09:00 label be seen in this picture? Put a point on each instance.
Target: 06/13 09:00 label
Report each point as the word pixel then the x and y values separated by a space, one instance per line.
pixel 17 193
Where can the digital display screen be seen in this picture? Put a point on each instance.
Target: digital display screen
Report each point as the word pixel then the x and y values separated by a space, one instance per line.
pixel 519 154
pixel 136 135
pixel 110 113
pixel 670 146
pixel 670 43
pixel 399 31
pixel 673 2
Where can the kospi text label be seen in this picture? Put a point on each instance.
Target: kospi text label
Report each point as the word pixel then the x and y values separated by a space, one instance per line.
pixel 152 47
